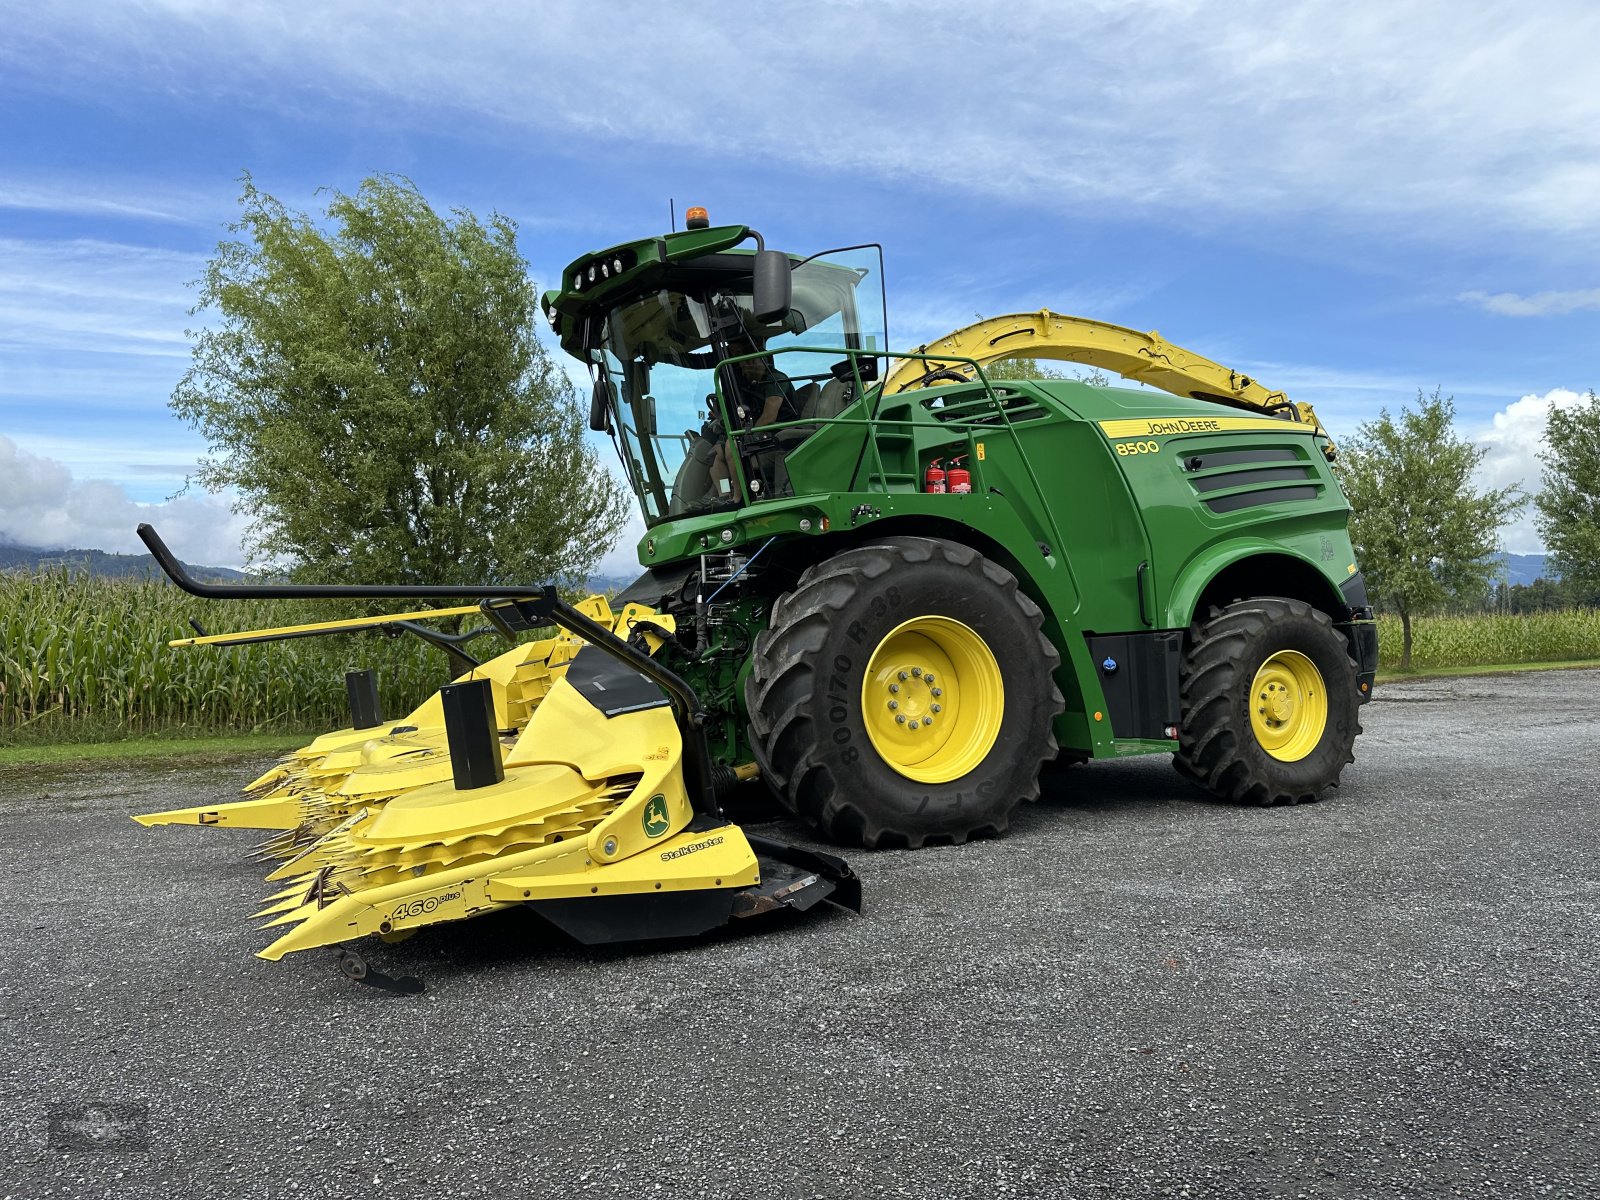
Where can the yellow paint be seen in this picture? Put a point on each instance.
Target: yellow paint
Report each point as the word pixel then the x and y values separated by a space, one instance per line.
pixel 719 857
pixel 1288 706
pixel 932 699
pixel 229 639
pixel 316 787
pixel 575 784
pixel 1148 427
pixel 374 838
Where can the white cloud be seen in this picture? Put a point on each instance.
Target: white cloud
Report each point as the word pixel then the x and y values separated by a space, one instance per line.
pixel 93 296
pixel 1513 439
pixel 1334 109
pixel 100 198
pixel 41 504
pixel 1540 304
pixel 622 561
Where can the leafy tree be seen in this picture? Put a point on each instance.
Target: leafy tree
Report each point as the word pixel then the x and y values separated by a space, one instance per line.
pixel 1423 533
pixel 1569 507
pixel 374 392
pixel 1032 368
pixel 1021 368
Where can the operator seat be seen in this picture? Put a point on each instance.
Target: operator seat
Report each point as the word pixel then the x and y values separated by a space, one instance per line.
pixel 831 400
pixel 693 481
pixel 816 406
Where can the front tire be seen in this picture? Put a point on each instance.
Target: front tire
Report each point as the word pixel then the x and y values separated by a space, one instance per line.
pixel 1269 702
pixel 904 693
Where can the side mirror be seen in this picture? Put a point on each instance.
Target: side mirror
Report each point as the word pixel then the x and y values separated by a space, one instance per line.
pixel 772 287
pixel 600 406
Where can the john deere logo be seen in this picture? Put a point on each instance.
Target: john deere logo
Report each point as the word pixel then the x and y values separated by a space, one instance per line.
pixel 656 820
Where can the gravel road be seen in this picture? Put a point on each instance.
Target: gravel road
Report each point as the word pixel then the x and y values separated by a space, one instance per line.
pixel 1137 993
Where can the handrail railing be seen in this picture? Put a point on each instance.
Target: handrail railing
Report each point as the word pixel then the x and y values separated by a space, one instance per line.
pixel 874 393
pixel 873 420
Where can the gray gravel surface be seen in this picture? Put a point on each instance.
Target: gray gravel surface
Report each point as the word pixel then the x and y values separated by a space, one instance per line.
pixel 1136 993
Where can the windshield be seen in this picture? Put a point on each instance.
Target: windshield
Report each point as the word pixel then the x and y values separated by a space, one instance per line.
pixel 661 354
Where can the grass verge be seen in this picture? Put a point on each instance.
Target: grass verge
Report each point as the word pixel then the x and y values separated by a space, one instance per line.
pixel 63 753
pixel 1484 669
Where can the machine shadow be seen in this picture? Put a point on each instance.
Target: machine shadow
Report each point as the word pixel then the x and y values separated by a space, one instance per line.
pixel 520 939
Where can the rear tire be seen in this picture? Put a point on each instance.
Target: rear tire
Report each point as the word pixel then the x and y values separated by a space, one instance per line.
pixel 826 671
pixel 1269 703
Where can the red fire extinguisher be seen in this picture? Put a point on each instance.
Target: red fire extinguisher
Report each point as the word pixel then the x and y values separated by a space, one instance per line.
pixel 960 478
pixel 933 481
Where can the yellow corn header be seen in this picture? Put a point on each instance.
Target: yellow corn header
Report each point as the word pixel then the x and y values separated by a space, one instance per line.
pixel 569 775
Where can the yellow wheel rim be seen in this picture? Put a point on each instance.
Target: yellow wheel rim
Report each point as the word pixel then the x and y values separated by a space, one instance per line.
pixel 1288 706
pixel 932 699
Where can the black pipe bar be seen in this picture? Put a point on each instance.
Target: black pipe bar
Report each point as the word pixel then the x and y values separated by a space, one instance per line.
pixel 323 591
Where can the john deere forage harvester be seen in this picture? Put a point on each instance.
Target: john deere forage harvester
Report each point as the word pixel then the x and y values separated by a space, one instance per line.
pixel 893 586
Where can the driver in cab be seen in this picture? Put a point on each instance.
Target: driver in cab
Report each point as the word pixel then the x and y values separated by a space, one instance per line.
pixel 763 395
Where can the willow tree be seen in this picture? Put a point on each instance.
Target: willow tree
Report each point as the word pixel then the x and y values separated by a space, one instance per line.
pixel 372 389
pixel 1423 531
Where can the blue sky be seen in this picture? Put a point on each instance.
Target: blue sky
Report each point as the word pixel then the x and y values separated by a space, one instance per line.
pixel 1349 200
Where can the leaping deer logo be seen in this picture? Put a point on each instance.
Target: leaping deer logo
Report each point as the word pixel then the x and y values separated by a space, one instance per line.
pixel 656 818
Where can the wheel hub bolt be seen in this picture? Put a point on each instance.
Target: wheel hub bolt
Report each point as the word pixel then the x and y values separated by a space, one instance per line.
pixel 913 724
pixel 938 708
pixel 900 719
pixel 917 671
pixel 904 676
pixel 894 687
pixel 928 678
pixel 938 691
pixel 894 704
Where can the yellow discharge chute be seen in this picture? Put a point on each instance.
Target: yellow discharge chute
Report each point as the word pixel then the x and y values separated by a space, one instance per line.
pixel 1145 357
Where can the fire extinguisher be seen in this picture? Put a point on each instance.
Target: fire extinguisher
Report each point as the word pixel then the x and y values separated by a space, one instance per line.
pixel 959 477
pixel 933 481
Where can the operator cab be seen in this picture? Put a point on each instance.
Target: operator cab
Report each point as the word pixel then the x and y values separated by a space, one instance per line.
pixel 707 399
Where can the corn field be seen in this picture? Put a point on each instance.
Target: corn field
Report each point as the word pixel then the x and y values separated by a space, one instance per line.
pixel 1487 639
pixel 89 656
pixel 82 655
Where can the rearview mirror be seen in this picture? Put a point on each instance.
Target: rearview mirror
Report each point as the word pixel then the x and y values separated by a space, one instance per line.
pixel 772 287
pixel 600 407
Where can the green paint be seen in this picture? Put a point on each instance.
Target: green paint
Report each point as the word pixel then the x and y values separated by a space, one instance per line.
pixel 1052 499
